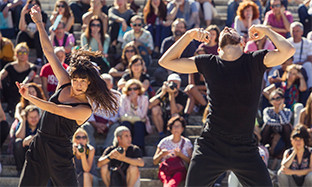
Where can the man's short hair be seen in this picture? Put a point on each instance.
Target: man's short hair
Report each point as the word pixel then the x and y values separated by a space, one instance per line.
pixel 295 24
pixel 178 20
pixel 135 18
pixel 118 133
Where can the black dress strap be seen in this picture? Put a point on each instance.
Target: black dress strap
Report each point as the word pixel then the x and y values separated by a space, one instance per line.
pixel 64 85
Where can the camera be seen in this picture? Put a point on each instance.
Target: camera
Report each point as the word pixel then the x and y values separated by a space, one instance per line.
pixel 120 150
pixel 80 148
pixel 172 85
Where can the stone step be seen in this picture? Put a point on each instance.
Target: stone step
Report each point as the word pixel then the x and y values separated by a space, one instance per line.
pixel 150 172
pixel 9 181
pixel 7 159
pixel 8 171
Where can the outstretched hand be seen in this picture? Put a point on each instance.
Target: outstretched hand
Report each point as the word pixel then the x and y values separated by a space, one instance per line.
pixel 257 32
pixel 199 34
pixel 23 89
pixel 35 14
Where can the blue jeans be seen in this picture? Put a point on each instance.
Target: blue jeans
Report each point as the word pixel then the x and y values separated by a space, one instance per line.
pixel 159 33
pixel 137 131
pixel 231 12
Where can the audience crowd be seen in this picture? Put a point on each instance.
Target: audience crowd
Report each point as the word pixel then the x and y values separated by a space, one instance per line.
pixel 129 39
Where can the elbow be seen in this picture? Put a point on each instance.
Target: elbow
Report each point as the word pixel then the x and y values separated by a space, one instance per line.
pixel 161 62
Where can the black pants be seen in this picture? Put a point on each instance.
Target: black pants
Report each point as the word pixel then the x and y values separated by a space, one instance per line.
pixel 31 42
pixel 4 131
pixel 214 153
pixel 79 9
pixel 45 158
pixel 19 154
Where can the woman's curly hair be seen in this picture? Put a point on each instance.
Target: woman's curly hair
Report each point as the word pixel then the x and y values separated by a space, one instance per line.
pixel 243 5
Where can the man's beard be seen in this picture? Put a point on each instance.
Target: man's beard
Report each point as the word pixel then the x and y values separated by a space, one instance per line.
pixel 178 33
pixel 229 39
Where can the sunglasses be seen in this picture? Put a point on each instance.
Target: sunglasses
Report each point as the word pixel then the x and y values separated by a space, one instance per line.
pixel 277 98
pixel 60 6
pixel 81 137
pixel 276 6
pixel 135 89
pixel 134 24
pixel 22 52
pixel 129 51
pixel 95 25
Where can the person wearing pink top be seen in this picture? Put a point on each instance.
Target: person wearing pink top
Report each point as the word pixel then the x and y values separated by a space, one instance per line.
pixel 263 43
pixel 278 18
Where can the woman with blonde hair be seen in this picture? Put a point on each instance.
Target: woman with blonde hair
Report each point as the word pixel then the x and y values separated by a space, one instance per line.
pixel 83 158
pixel 133 110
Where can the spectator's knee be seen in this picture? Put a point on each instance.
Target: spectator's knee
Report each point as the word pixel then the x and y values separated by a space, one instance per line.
pixel 134 170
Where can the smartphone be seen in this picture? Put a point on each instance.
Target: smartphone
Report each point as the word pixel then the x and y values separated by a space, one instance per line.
pixel 30 6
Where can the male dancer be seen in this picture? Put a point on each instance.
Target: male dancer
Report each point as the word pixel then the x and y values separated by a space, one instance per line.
pixel 233 81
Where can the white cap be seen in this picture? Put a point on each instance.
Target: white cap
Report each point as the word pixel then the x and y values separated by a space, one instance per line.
pixel 174 77
pixel 310 8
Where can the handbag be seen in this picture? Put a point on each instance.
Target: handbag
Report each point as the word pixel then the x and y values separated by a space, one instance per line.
pixel 173 164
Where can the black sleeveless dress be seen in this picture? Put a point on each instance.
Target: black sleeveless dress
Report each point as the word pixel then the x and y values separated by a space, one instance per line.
pixel 50 154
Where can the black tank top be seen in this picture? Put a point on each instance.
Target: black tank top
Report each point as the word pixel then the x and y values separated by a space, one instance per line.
pixel 58 127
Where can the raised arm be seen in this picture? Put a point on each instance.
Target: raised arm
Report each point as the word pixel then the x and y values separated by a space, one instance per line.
pixel 78 113
pixel 284 49
pixel 60 73
pixel 171 58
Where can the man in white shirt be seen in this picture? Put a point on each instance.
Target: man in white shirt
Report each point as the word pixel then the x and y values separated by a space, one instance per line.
pixel 303 46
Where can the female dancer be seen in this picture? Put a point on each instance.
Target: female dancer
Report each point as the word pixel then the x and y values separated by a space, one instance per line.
pixel 50 154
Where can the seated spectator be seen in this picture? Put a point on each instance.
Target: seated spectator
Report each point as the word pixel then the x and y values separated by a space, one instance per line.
pixel 59 37
pixel 100 123
pixel 208 10
pixel 292 84
pixel 278 18
pixel 155 18
pixel 20 70
pixel 142 38
pixel 95 39
pixel 305 16
pixel 83 158
pixel 26 130
pixel 212 46
pixel 169 100
pixel 6 21
pixel 133 111
pixel 254 45
pixel 61 8
pixel 119 162
pixel 178 28
pixel 306 117
pixel 247 15
pixel 95 10
pixel 13 7
pixel 6 51
pixel 121 68
pixel 296 166
pixel 277 127
pixel 48 79
pixel 176 148
pixel 28 30
pixel 196 89
pixel 186 9
pixel 79 8
pixel 136 71
pixel 119 17
pixel 303 54
pixel 33 89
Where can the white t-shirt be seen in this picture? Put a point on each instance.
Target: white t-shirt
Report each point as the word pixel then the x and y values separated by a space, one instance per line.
pixel 167 143
pixel 306 49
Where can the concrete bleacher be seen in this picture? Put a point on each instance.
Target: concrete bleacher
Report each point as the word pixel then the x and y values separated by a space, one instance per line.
pixel 9 176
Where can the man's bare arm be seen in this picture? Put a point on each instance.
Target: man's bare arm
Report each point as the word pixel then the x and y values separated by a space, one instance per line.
pixel 284 48
pixel 171 59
